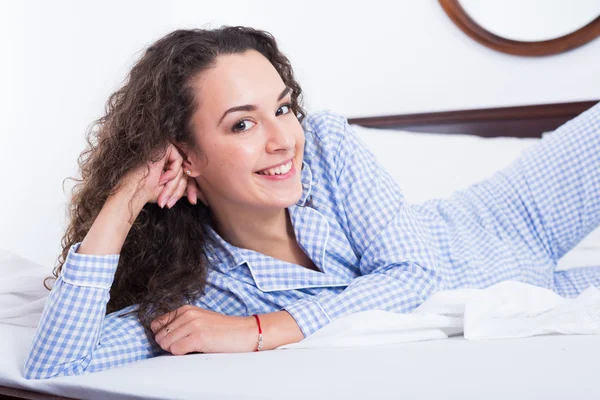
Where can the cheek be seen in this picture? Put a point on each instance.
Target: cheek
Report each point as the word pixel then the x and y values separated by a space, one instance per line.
pixel 300 139
pixel 239 160
pixel 296 127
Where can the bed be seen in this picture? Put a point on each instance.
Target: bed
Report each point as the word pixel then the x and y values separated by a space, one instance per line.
pixel 469 145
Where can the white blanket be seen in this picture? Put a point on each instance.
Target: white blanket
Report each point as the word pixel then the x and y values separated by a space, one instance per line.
pixel 22 291
pixel 507 310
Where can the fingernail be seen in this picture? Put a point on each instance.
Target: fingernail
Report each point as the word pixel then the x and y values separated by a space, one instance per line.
pixel 172 203
pixel 162 203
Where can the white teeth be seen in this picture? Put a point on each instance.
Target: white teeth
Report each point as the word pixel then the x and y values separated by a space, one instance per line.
pixel 282 169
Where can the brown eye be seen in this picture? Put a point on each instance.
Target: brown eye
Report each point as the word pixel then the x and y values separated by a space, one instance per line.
pixel 285 107
pixel 242 126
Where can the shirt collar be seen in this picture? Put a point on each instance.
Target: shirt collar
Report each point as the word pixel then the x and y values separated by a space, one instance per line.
pixel 306 178
pixel 226 256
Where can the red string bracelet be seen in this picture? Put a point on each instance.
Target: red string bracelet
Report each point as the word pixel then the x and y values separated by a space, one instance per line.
pixel 260 337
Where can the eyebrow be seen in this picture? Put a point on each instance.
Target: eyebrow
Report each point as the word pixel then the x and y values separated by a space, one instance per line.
pixel 251 107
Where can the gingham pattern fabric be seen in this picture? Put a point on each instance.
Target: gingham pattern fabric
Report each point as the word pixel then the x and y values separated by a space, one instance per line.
pixel 373 250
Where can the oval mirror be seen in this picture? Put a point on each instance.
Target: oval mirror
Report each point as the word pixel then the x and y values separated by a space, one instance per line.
pixel 527 27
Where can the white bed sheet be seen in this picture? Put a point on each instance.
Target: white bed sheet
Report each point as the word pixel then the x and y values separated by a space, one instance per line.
pixel 544 367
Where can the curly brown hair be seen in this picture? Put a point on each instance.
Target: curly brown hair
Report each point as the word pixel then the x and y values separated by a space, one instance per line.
pixel 151 110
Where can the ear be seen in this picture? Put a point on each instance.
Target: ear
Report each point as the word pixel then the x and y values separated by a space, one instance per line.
pixel 190 159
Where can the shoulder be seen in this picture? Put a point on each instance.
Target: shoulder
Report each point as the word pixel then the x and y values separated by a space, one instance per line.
pixel 325 133
pixel 326 125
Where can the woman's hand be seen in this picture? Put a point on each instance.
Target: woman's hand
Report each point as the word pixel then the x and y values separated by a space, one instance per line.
pixel 192 329
pixel 166 182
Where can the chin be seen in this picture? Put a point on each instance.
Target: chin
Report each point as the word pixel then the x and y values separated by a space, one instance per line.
pixel 285 202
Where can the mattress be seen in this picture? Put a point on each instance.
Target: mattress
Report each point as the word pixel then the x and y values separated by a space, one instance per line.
pixel 548 367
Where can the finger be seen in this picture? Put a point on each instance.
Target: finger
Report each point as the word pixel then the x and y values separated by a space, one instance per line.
pixel 172 162
pixel 187 344
pixel 192 191
pixel 174 155
pixel 169 189
pixel 166 341
pixel 167 176
pixel 200 195
pixel 164 319
pixel 161 321
pixel 195 191
pixel 172 320
pixel 178 192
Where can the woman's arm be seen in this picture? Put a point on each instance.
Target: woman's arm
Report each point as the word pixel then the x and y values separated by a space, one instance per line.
pixel 197 329
pixel 397 255
pixel 113 223
pixel 279 328
pixel 74 334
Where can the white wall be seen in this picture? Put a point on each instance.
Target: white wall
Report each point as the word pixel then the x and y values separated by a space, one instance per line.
pixel 61 60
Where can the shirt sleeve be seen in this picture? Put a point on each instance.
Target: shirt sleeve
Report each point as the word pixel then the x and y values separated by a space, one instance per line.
pixel 74 335
pixel 397 257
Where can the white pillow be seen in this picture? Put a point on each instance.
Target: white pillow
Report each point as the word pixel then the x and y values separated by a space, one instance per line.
pixel 432 165
pixel 22 291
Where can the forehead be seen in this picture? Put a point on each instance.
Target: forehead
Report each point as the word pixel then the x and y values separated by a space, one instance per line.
pixel 238 79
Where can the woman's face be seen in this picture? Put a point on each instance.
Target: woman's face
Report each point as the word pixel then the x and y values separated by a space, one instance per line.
pixel 243 125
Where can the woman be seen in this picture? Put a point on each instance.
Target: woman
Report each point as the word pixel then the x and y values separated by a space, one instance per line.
pixel 297 224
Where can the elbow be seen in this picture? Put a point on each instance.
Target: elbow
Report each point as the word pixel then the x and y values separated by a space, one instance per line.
pixel 41 373
pixel 46 370
pixel 31 373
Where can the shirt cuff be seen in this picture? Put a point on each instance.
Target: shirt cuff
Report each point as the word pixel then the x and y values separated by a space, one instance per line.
pixel 309 315
pixel 89 270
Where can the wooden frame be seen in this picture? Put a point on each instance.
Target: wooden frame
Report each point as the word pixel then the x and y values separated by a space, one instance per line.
pixel 541 48
pixel 520 121
pixel 12 393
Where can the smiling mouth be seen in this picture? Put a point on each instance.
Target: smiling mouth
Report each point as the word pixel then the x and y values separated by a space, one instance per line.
pixel 280 170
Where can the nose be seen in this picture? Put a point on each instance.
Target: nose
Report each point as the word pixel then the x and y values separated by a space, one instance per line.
pixel 279 139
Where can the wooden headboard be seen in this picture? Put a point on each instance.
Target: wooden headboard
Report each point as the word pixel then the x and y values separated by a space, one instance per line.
pixel 519 121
